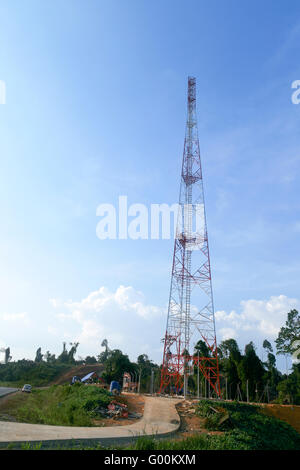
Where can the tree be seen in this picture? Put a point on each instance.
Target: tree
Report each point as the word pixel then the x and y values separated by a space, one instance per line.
pixel 7 356
pixel 289 334
pixel 103 356
pixel 202 348
pixel 63 357
pixel 38 355
pixel 72 352
pixel 272 376
pixel 67 357
pixel 231 373
pixel 143 359
pixel 289 388
pixel 144 367
pixel 230 347
pixel 250 369
pixel 90 360
pixel 267 345
pixel 50 358
pixel 116 364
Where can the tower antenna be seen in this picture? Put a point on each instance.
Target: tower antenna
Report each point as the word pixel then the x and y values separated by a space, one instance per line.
pixel 191 321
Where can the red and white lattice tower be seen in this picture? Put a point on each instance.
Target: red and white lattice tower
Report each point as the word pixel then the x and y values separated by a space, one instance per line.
pixel 191 308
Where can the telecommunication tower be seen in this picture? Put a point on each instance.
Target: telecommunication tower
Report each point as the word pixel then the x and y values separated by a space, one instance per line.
pixel 191 308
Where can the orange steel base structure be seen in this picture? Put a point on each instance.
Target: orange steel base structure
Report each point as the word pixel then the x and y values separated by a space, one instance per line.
pixel 190 322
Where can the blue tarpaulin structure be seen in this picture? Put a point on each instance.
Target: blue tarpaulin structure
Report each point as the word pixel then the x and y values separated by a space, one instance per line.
pixel 114 385
pixel 87 377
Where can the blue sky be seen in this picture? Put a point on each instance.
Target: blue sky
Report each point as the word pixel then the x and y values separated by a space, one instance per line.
pixel 96 108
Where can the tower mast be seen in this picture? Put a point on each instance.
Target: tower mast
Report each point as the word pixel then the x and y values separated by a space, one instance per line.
pixel 191 309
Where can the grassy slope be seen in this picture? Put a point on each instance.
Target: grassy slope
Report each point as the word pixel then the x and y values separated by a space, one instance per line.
pixel 246 429
pixel 43 374
pixel 60 405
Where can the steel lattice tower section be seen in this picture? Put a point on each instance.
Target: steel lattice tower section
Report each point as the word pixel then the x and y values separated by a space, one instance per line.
pixel 191 308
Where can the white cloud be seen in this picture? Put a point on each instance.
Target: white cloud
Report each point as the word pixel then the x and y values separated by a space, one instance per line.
pixel 123 317
pixel 257 320
pixel 227 333
pixel 126 299
pixel 15 317
pixel 55 302
pixel 131 324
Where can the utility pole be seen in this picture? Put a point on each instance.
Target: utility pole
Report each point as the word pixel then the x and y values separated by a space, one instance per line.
pixel 191 272
pixel 152 381
pixel 226 389
pixel 139 386
pixel 247 391
pixel 185 378
pixel 198 378
pixel 132 379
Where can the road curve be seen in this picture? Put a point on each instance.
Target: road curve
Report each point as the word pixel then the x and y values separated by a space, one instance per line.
pixel 6 391
pixel 160 419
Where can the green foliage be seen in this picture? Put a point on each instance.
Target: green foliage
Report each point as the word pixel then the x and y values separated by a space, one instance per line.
pixel 39 355
pixel 248 427
pixel 230 368
pixel 116 364
pixel 230 347
pixel 145 366
pixel 34 373
pixel 67 357
pixel 250 369
pixel 90 360
pixel 267 345
pixel 202 348
pixel 289 333
pixel 289 388
pixel 103 356
pixel 63 405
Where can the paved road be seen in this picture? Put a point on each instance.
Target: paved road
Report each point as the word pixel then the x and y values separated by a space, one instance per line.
pixel 6 391
pixel 160 419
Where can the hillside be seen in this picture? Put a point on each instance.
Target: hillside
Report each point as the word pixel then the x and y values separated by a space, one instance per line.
pixel 81 371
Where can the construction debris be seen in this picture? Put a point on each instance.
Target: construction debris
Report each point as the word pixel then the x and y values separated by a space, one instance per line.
pixel 116 410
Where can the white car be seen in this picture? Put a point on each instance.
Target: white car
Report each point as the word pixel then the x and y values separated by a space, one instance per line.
pixel 26 388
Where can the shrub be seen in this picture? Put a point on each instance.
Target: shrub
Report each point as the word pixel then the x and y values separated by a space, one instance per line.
pixel 63 405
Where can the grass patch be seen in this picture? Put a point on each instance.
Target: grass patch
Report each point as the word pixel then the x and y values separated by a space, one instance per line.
pixel 244 427
pixel 61 405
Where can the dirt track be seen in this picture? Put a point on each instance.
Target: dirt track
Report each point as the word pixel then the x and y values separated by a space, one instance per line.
pixel 81 371
pixel 288 413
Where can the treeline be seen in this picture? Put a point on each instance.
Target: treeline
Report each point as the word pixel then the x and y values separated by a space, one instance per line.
pixel 243 375
pixel 25 371
pixel 46 367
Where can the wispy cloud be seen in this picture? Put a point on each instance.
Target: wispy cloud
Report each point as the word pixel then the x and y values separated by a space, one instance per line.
pixel 15 317
pixel 122 316
pixel 258 319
